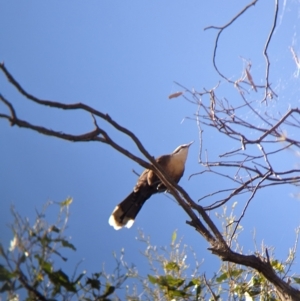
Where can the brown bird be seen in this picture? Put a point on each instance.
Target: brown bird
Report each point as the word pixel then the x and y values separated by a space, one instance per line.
pixel 148 184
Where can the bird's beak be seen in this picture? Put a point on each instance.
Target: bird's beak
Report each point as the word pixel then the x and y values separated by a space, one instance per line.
pixel 189 144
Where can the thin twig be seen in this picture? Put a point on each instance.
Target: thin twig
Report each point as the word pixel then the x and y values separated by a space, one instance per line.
pixel 221 28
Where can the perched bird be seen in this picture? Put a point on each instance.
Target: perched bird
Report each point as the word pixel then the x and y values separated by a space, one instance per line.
pixel 148 184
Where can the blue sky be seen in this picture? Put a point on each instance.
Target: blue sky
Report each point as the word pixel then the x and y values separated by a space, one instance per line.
pixel 122 58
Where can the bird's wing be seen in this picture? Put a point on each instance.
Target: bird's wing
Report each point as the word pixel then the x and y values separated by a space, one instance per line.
pixel 152 178
pixel 142 180
pixel 163 161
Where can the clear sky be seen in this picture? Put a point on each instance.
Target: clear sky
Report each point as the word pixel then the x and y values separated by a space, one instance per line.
pixel 122 58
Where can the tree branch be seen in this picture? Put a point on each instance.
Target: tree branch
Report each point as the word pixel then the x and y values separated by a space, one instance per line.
pixel 221 28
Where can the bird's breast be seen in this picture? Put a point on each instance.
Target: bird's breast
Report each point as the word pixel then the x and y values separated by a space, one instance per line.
pixel 175 167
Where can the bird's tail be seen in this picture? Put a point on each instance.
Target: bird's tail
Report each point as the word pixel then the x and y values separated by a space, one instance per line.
pixel 125 213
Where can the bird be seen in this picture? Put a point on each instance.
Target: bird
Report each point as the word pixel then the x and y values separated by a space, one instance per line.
pixel 148 184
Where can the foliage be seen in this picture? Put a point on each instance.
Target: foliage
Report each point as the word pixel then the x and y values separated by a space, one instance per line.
pixel 31 260
pixel 256 140
pixel 29 269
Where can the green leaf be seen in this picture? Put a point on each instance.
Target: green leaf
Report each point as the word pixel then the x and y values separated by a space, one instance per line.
pixel 45 240
pixel 226 275
pixel 277 266
pixel 5 275
pixel 79 277
pixel 236 273
pixel 94 283
pixel 108 291
pixel 296 279
pixel 172 266
pixel 257 281
pixel 193 282
pixel 5 287
pixel 46 266
pixel 2 253
pixel 54 229
pixel 66 244
pixel 66 202
pixel 60 278
pixel 97 275
pixel 198 291
pixel 153 279
pixel 254 291
pixel 240 288
pixel 221 278
pixel 179 293
pixel 170 281
pixel 174 236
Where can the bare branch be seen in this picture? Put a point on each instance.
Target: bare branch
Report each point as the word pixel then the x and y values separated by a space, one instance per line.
pixel 221 28
pixel 247 204
pixel 268 89
pixel 180 195
pixel 32 290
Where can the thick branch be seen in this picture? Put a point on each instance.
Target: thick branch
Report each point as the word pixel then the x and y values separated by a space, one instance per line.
pixel 183 198
pixel 203 224
pixel 286 291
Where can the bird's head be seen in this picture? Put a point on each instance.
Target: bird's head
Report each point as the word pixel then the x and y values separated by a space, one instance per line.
pixel 182 150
